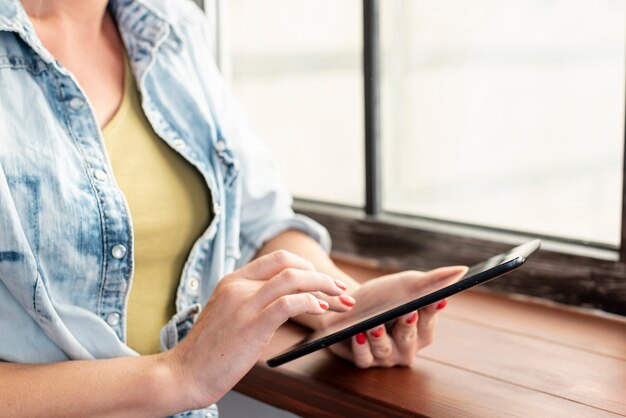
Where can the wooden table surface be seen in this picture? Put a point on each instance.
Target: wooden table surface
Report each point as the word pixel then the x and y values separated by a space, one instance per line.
pixel 492 357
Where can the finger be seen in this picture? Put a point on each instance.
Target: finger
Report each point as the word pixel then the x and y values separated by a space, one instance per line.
pixel 404 335
pixel 434 279
pixel 341 303
pixel 381 346
pixel 269 265
pixel 361 351
pixel 290 281
pixel 426 326
pixel 288 306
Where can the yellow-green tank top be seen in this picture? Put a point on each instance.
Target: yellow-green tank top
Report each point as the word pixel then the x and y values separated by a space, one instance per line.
pixel 170 208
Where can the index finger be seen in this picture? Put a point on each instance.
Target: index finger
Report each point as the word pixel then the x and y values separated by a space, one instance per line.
pixel 270 265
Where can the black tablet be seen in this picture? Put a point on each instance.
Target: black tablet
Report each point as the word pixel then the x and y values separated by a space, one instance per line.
pixel 377 315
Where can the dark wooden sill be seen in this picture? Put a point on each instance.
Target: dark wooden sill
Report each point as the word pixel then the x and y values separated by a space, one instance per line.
pixel 493 356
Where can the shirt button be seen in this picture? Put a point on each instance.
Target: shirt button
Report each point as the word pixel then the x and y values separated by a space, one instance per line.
pixel 76 103
pixel 193 284
pixel 100 175
pixel 217 210
pixel 178 144
pixel 113 319
pixel 119 251
pixel 220 145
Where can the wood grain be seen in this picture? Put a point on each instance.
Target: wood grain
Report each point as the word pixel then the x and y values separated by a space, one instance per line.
pixel 493 357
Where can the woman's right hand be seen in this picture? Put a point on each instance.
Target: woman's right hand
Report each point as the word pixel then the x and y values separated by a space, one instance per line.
pixel 240 318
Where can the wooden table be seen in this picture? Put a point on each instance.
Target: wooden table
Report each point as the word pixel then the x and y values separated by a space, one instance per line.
pixel 493 356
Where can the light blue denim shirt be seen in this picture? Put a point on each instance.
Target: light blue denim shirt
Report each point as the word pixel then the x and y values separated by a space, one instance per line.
pixel 66 237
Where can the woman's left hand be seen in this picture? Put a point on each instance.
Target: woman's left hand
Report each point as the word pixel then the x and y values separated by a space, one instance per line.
pixel 398 344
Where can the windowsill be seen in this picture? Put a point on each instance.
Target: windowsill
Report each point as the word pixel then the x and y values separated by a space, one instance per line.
pixel 493 355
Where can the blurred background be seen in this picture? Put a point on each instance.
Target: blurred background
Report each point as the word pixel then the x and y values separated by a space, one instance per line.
pixel 505 114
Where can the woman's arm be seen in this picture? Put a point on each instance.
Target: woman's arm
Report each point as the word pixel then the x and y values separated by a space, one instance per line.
pixel 254 301
pixel 130 386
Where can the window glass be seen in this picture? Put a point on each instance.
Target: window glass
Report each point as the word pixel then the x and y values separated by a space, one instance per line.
pixel 296 70
pixel 506 113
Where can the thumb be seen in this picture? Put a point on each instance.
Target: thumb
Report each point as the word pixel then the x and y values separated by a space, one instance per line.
pixel 452 273
pixel 441 277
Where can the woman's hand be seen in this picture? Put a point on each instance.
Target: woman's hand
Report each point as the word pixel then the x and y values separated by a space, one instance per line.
pixel 240 319
pixel 398 344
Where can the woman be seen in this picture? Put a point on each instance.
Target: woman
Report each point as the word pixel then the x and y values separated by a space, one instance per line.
pixel 113 110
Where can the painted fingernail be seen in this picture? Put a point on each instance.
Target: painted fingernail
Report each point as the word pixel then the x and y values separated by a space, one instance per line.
pixel 412 319
pixel 442 304
pixel 378 332
pixel 323 304
pixel 341 285
pixel 361 338
pixel 347 300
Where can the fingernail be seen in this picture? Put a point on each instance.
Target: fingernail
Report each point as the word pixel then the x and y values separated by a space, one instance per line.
pixel 341 285
pixel 323 304
pixel 361 338
pixel 412 319
pixel 442 304
pixel 347 300
pixel 379 332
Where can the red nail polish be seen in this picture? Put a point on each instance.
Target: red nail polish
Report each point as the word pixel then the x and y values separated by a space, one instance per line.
pixel 412 319
pixel 442 304
pixel 347 300
pixel 341 285
pixel 361 338
pixel 379 332
pixel 324 305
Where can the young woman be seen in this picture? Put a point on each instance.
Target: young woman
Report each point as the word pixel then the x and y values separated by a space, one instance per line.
pixel 115 110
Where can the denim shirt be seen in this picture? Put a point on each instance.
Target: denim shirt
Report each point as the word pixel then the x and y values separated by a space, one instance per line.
pixel 66 237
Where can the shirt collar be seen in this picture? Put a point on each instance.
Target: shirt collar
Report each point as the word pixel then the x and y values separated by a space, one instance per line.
pixel 138 23
pixel 13 18
pixel 139 20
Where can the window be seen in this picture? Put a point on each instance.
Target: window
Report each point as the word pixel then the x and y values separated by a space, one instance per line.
pixel 296 69
pixel 429 132
pixel 507 114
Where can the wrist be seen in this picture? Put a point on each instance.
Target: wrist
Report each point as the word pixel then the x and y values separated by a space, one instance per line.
pixel 169 390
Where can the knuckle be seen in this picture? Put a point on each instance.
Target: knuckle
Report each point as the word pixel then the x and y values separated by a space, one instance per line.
pixel 405 337
pixel 281 257
pixel 289 275
pixel 312 299
pixel 381 351
pixel 283 305
pixel 231 289
pixel 330 282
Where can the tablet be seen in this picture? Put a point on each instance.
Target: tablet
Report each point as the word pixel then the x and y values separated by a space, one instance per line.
pixel 377 315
